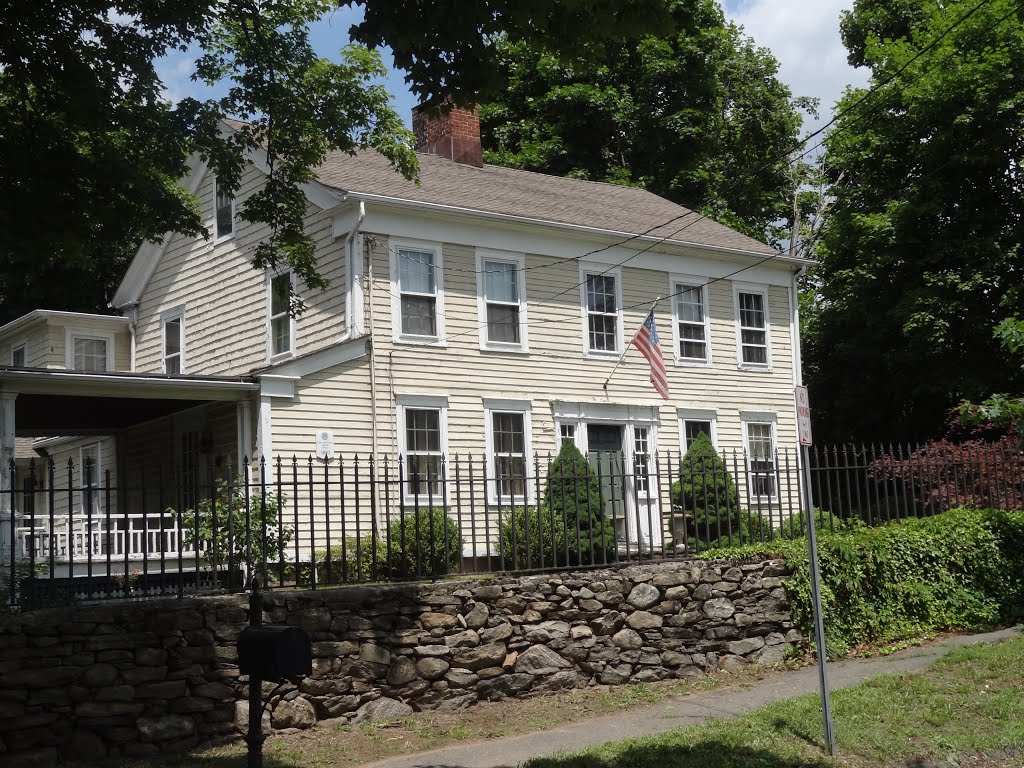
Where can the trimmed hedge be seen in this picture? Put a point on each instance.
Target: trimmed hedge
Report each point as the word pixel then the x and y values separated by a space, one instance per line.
pixel 962 569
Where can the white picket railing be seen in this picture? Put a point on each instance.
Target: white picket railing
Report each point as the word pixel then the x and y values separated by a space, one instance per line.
pixel 146 536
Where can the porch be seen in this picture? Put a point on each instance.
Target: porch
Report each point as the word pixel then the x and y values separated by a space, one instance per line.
pixel 66 504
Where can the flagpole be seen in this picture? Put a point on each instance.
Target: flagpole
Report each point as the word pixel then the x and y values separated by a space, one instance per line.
pixel 625 349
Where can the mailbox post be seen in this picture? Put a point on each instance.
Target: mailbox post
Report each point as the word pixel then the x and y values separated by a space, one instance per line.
pixel 276 654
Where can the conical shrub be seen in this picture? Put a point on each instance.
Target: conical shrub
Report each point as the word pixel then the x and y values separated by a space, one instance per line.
pixel 573 492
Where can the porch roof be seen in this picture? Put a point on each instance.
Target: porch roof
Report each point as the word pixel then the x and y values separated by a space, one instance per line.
pixel 60 402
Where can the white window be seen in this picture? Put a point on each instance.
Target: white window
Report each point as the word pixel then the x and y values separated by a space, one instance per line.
pixel 566 431
pixel 501 286
pixel 417 302
pixel 508 450
pixel 642 459
pixel 759 441
pixel 602 312
pixel 90 470
pixel 224 212
pixel 752 340
pixel 282 324
pixel 693 422
pixel 89 351
pixel 174 342
pixel 691 330
pixel 423 437
pixel 18 355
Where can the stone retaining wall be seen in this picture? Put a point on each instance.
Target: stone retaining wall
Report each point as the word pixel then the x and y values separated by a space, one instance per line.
pixel 136 678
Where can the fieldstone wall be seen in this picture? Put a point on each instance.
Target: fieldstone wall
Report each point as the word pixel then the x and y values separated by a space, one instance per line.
pixel 136 678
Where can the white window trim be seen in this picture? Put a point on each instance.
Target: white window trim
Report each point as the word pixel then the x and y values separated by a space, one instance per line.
pixel 690 281
pixel 591 268
pixel 519 259
pixel 737 289
pixel 696 414
pixel 219 238
pixel 176 313
pixel 268 279
pixel 84 333
pixel 760 417
pixel 394 244
pixel 81 477
pixel 524 407
pixel 421 402
pixel 21 344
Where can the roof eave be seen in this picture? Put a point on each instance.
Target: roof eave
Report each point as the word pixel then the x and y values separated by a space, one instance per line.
pixel 420 205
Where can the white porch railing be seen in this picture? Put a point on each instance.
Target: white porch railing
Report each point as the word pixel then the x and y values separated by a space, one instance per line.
pixel 132 537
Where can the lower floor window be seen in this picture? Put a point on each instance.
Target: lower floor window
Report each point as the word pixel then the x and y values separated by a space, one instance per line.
pixel 423 453
pixel 641 459
pixel 761 458
pixel 508 437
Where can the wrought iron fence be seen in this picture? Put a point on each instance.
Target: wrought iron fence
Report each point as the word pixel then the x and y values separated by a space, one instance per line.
pixel 75 534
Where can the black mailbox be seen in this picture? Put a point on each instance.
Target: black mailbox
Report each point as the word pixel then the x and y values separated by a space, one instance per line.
pixel 275 653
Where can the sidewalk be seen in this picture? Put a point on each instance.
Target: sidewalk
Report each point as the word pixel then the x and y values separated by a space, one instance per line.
pixel 669 715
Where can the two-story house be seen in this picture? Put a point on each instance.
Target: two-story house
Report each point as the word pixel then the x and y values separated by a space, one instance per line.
pixel 484 313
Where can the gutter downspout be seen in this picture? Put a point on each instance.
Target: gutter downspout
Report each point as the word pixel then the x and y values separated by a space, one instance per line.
pixel 133 323
pixel 350 257
pixel 373 361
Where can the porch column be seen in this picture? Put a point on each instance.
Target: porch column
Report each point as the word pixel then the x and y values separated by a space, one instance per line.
pixel 6 458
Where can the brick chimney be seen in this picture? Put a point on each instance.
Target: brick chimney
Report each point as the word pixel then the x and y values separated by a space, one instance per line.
pixel 455 135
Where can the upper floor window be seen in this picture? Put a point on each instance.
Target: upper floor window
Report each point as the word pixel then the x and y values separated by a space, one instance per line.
pixel 282 325
pixel 418 301
pixel 752 328
pixel 602 309
pixel 224 211
pixel 18 355
pixel 691 323
pixel 174 342
pixel 90 351
pixel 502 287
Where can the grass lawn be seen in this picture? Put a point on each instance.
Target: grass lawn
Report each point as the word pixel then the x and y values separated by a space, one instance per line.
pixel 330 745
pixel 967 709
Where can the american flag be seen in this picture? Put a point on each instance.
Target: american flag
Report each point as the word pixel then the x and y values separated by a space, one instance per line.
pixel 646 340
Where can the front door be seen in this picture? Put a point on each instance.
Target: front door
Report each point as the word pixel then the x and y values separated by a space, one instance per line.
pixel 621 456
pixel 605 455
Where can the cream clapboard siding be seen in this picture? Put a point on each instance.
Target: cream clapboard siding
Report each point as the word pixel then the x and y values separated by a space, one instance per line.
pixel 555 369
pixel 66 482
pixel 36 338
pixel 225 299
pixel 45 342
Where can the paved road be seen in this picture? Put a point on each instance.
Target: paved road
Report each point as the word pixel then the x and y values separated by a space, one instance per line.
pixel 676 713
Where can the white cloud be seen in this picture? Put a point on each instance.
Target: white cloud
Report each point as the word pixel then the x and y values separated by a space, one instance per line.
pixel 804 36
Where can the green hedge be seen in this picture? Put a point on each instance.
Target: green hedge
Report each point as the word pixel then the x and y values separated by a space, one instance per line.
pixel 962 569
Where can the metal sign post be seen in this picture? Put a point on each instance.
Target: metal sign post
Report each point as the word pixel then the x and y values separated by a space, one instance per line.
pixel 255 737
pixel 803 413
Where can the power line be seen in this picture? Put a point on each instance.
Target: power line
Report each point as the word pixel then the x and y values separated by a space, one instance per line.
pixel 792 160
pixel 870 92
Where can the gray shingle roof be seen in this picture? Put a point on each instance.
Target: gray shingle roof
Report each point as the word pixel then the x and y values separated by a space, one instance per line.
pixel 493 189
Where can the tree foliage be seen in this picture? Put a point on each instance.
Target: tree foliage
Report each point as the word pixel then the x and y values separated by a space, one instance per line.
pixel 920 258
pixel 92 153
pixel 683 112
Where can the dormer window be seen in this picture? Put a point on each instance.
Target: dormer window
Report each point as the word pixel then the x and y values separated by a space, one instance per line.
pixel 90 353
pixel 224 211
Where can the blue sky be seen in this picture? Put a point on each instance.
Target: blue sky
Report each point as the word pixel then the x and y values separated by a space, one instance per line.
pixel 803 35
